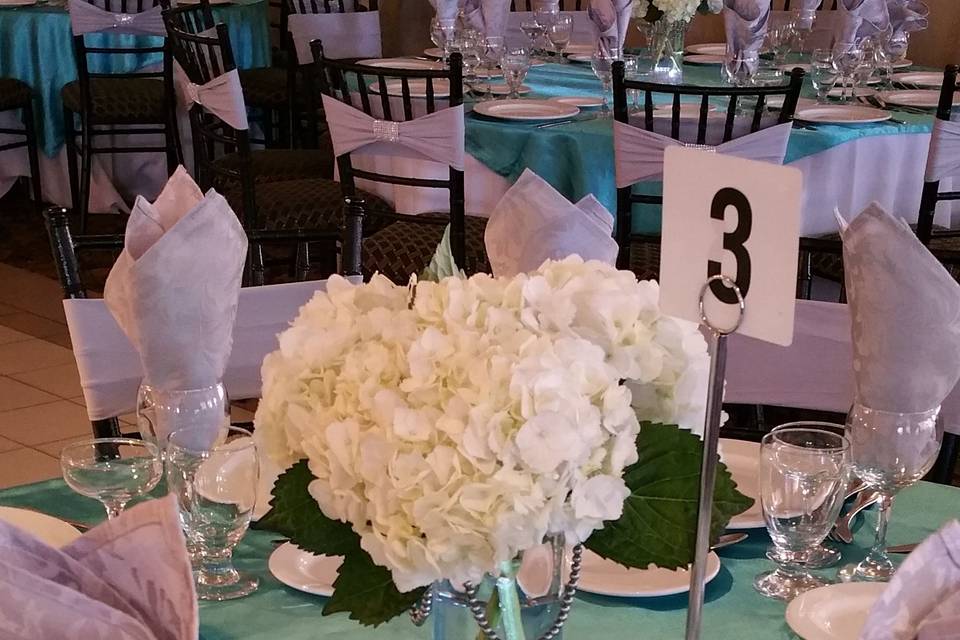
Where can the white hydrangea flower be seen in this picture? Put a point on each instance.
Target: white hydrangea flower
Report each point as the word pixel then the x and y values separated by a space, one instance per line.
pixel 673 10
pixel 454 434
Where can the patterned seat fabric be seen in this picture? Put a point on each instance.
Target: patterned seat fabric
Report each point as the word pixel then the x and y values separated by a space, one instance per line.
pixel 404 248
pixel 272 165
pixel 120 100
pixel 14 93
pixel 645 260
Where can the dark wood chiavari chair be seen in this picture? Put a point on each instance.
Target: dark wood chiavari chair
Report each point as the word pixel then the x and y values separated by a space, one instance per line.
pixel 16 95
pixel 405 246
pixel 139 103
pixel 641 252
pixel 931 188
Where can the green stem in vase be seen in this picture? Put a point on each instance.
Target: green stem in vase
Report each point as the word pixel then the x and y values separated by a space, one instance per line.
pixel 510 600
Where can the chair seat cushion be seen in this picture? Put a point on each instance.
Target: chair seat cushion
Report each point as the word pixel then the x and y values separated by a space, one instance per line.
pixel 272 165
pixel 645 259
pixel 14 94
pixel 120 100
pixel 404 248
pixel 264 87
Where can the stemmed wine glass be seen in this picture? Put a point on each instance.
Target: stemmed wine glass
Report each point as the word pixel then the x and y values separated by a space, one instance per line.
pixel 781 40
pixel 847 56
pixel 161 412
pixel 112 470
pixel 215 478
pixel 559 33
pixel 515 64
pixel 534 32
pixel 823 73
pixel 889 451
pixel 602 63
pixel 803 475
pixel 739 68
pixel 492 55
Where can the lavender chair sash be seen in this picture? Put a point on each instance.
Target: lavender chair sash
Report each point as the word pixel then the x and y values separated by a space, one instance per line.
pixel 344 35
pixel 109 366
pixel 639 153
pixel 437 136
pixel 222 96
pixel 88 18
pixel 944 157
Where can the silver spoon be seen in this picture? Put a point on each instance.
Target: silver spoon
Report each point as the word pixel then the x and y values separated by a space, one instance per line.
pixel 841 531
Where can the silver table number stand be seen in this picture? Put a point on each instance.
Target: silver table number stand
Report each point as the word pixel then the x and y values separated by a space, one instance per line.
pixel 708 466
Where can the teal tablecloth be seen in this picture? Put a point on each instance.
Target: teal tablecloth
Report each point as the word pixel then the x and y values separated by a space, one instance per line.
pixel 733 610
pixel 577 158
pixel 36 46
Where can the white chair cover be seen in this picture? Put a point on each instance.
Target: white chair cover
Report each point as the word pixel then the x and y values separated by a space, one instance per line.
pixel 583 31
pixel 109 366
pixel 437 136
pixel 639 153
pixel 344 35
pixel 944 157
pixel 88 18
pixel 222 96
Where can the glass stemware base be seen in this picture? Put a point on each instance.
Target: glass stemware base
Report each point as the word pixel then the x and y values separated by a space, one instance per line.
pixel 821 557
pixel 225 584
pixel 783 584
pixel 876 567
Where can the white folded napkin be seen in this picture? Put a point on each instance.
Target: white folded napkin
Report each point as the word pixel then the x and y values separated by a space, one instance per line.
pixel 487 16
pixel 905 311
pixel 922 600
pixel 174 288
pixel 611 19
pixel 533 222
pixel 102 585
pixel 746 23
pixel 447 10
pixel 860 19
pixel 907 16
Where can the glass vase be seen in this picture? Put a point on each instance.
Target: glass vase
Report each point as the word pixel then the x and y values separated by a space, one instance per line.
pixel 522 602
pixel 666 43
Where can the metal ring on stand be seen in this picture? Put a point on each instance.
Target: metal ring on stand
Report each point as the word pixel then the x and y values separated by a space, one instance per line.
pixel 736 290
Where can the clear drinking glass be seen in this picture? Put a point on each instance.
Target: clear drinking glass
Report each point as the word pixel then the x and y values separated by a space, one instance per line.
pixel 534 32
pixel 847 56
pixel 215 476
pixel 739 68
pixel 803 475
pixel 631 71
pixel 515 64
pixel 823 73
pixel 781 41
pixel 112 470
pixel 160 413
pixel 559 33
pixel 889 451
pixel 602 63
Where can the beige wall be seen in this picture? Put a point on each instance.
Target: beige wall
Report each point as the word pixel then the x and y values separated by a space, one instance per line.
pixel 406 22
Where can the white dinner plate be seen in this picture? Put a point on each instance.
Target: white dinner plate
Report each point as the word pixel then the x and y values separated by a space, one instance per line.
pixel 17 3
pixel 790 66
pixel 525 110
pixel 580 49
pixel 401 63
pixel 687 110
pixel 834 612
pixel 583 102
pixel 708 49
pixel 304 571
pixel 903 64
pixel 919 78
pixel 417 86
pixel 862 92
pixel 501 89
pixel 924 98
pixel 433 52
pixel 743 460
pixel 705 59
pixel 842 114
pixel 607 578
pixel 581 57
pixel 53 531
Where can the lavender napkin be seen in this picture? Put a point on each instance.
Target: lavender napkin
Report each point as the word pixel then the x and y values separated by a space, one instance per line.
pixel 905 309
pixel 861 19
pixel 102 585
pixel 807 9
pixel 533 222
pixel 447 10
pixel 907 15
pixel 174 288
pixel 487 16
pixel 611 20
pixel 923 598
pixel 746 22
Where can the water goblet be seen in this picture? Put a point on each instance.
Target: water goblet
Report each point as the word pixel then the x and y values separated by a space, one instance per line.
pixel 823 73
pixel 547 13
pixel 803 475
pixel 559 33
pixel 631 71
pixel 112 470
pixel 846 57
pixel 888 451
pixel 161 412
pixel 534 32
pixel 602 64
pixel 515 64
pixel 781 40
pixel 739 68
pixel 215 477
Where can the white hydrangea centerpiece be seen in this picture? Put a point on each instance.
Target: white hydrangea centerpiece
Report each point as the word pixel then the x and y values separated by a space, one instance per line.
pixel 673 11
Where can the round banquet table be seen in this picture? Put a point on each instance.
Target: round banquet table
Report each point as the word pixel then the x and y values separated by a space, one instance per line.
pixel 844 166
pixel 733 611
pixel 36 46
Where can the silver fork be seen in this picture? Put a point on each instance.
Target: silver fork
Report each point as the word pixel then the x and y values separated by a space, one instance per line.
pixel 841 531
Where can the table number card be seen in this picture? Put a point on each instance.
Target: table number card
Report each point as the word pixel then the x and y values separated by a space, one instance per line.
pixel 736 217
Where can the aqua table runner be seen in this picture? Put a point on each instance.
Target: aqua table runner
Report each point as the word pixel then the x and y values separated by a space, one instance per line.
pixel 733 610
pixel 36 46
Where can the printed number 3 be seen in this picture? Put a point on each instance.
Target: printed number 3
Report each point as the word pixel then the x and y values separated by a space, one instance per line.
pixel 732 242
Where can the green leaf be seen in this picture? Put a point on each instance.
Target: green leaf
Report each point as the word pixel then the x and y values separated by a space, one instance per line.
pixel 659 521
pixel 366 591
pixel 442 265
pixel 295 514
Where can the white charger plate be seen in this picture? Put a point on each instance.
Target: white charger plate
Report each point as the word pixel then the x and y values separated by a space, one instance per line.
pixel 525 110
pixel 607 578
pixel 17 3
pixel 842 114
pixel 923 98
pixel 304 571
pixel 501 89
pixel 862 92
pixel 708 49
pixel 401 63
pixel 903 64
pixel 834 612
pixel 417 87
pixel 53 531
pixel 705 59
pixel 582 102
pixel 433 52
pixel 580 49
pixel 919 78
pixel 581 57
pixel 743 460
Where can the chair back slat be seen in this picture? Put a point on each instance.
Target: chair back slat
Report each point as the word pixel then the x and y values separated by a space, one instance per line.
pixel 932 195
